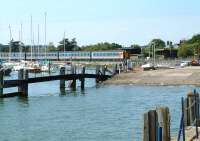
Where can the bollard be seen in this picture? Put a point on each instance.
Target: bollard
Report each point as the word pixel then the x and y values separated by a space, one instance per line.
pixel 1 82
pixel 83 79
pixel 62 82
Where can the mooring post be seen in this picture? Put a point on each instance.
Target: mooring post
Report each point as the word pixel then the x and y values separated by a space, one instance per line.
pixel 114 69
pixel 104 67
pixel 152 125
pixel 146 127
pixel 62 81
pixel 83 79
pixel 20 77
pixel 73 83
pixel 23 87
pixel 49 67
pixel 1 82
pixel 97 73
pixel 191 105
pixel 163 124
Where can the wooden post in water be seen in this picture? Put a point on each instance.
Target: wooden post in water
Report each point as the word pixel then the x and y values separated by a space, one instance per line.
pixel 114 69
pixel 73 83
pixel 163 124
pixel 97 73
pixel 23 88
pixel 157 125
pixel 104 69
pixel 152 125
pixel 83 79
pixel 62 82
pixel 191 109
pixel 1 82
pixel 146 127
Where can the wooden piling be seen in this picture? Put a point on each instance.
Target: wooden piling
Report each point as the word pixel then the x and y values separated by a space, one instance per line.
pixel 23 88
pixel 104 69
pixel 191 107
pixel 62 82
pixel 152 125
pixel 73 83
pixel 97 73
pixel 157 125
pixel 163 123
pixel 83 79
pixel 1 82
pixel 114 69
pixel 146 127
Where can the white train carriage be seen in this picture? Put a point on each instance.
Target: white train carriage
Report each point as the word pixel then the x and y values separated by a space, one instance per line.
pixel 74 55
pixel 107 55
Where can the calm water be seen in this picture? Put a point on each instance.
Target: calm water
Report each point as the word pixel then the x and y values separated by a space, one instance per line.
pixel 102 113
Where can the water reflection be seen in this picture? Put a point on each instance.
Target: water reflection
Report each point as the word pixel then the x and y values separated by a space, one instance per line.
pixel 23 101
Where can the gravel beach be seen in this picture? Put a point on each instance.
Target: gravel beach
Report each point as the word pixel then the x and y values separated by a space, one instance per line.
pixel 177 76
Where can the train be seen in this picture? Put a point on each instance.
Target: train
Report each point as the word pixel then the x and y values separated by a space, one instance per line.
pixel 116 55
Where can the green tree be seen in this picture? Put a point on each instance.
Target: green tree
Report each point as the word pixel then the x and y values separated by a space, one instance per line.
pixel 70 45
pixel 160 44
pixel 51 47
pixel 101 46
pixel 135 46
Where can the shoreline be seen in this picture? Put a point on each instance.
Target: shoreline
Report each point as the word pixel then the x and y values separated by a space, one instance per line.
pixel 163 77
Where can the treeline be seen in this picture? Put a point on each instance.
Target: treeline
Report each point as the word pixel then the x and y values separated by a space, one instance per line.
pixel 190 47
pixel 185 48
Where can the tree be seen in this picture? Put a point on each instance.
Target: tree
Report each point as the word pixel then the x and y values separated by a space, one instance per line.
pixel 102 46
pixel 189 47
pixel 135 46
pixel 51 47
pixel 160 44
pixel 70 45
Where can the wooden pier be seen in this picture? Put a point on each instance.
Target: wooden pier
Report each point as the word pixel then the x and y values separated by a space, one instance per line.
pixel 23 80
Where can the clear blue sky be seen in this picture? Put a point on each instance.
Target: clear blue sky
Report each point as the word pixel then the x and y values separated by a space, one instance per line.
pixel 91 21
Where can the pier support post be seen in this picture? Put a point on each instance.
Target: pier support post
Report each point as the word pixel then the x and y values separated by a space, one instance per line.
pixel 83 79
pixel 62 82
pixel 97 73
pixel 23 88
pixel 114 69
pixel 104 69
pixel 1 82
pixel 73 83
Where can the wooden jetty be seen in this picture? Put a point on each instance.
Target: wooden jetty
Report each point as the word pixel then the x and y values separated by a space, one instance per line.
pixel 23 79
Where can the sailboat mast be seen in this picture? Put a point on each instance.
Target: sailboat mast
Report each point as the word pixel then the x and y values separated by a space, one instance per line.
pixel 64 45
pixel 10 43
pixel 21 42
pixel 38 41
pixel 31 39
pixel 19 57
pixel 45 34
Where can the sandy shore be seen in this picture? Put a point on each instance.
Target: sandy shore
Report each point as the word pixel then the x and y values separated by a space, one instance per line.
pixel 178 76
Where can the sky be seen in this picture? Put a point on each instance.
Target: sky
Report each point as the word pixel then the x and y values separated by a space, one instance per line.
pixel 92 21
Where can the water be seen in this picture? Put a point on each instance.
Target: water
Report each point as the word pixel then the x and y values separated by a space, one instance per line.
pixel 100 113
